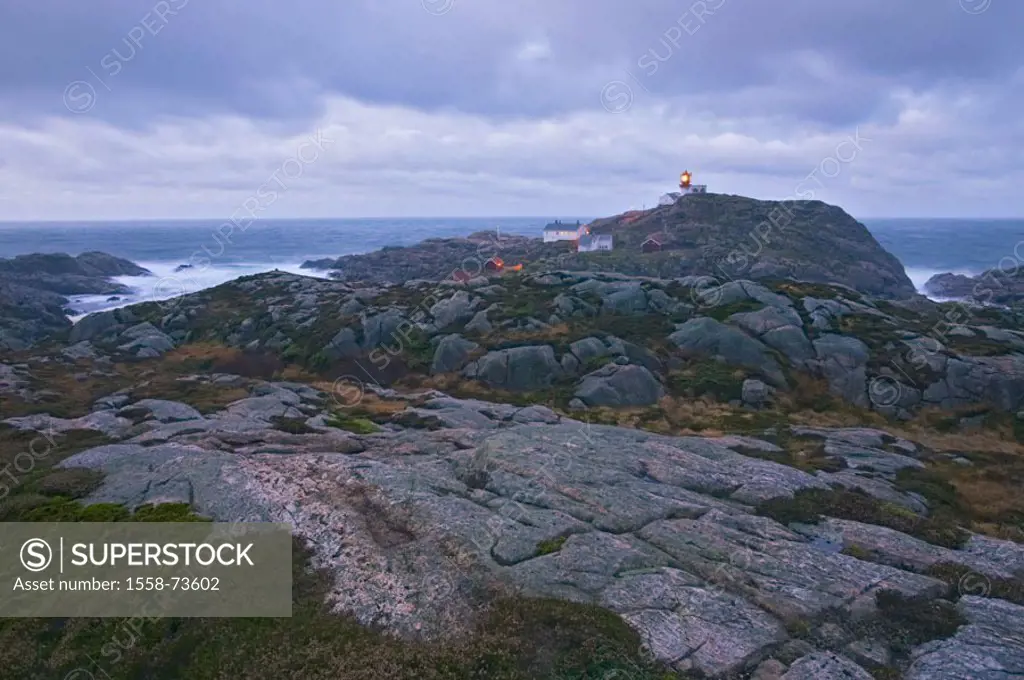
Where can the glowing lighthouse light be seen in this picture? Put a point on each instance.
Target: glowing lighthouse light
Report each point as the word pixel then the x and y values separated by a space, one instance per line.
pixel 684 180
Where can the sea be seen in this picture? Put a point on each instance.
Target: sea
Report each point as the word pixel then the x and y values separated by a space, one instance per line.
pixel 925 246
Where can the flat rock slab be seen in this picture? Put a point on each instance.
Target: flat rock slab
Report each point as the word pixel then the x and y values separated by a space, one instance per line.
pixel 415 523
pixel 989 647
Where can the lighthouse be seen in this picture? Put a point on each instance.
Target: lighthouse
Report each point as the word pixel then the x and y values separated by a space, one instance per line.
pixel 686 187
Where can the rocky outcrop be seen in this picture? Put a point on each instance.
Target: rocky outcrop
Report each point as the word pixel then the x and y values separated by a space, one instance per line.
pixel 437 259
pixel 414 522
pixel 89 273
pixel 994 286
pixel 33 306
pixel 989 647
pixel 871 352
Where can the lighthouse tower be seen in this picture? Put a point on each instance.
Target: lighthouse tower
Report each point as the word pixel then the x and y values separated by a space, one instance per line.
pixel 686 187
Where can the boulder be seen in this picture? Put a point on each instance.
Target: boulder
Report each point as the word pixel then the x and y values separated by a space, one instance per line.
pixel 94 325
pixel 456 309
pixel 706 336
pixel 479 323
pixel 344 345
pixel 145 340
pixel 80 350
pixel 625 299
pixel 617 385
pixel 756 393
pixel 842 360
pixel 161 410
pixel 383 329
pixel 451 354
pixel 737 291
pixel 530 367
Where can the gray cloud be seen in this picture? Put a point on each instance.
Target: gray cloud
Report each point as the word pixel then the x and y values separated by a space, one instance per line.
pixel 501 103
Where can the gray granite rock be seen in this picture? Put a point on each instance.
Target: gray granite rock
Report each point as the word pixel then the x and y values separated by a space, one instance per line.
pixel 616 385
pixel 706 336
pixel 451 354
pixel 989 647
pixel 825 666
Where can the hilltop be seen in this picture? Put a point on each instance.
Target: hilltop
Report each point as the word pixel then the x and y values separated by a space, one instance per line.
pixel 735 237
pixel 722 236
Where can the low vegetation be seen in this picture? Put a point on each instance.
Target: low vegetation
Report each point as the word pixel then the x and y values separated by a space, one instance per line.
pixel 808 506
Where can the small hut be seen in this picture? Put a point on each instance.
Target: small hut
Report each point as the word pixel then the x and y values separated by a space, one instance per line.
pixel 653 243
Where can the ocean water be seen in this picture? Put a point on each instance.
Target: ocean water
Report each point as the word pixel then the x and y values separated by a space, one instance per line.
pixel 963 246
pixel 220 254
pixel 924 246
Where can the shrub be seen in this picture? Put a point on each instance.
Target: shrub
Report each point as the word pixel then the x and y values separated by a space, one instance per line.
pixel 292 425
pixel 964 581
pixel 908 622
pixel 808 505
pixel 549 546
pixel 71 482
pixel 708 377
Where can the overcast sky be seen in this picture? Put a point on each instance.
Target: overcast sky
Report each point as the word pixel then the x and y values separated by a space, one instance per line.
pixel 194 108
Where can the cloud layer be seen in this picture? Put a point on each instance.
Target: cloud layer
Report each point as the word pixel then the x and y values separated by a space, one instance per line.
pixel 182 108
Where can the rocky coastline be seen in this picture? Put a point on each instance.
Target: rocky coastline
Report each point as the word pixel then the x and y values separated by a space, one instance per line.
pixel 33 290
pixel 586 472
pixel 994 287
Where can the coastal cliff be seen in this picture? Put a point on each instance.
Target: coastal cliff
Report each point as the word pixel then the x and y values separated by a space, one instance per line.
pixel 725 237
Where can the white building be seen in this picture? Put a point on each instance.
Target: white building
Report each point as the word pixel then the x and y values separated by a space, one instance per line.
pixel 673 196
pixel 557 231
pixel 594 242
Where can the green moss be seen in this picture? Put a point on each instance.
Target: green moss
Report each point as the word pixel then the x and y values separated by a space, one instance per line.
pixel 725 311
pixel 908 622
pixel 550 546
pixel 854 550
pixel 318 362
pixel 417 351
pixel 808 505
pixel 415 420
pixel 1018 429
pixel 70 482
pixel 964 581
pixel 38 508
pixel 292 425
pixel 977 346
pixel 352 424
pixel 929 483
pixel 802 289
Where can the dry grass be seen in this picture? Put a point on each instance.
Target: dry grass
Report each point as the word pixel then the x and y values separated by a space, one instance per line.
pixel 547 336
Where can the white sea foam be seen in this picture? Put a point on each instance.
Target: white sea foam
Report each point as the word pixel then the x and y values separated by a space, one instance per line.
pixel 919 276
pixel 167 283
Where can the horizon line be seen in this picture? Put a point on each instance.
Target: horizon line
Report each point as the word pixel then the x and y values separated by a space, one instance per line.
pixel 4 222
